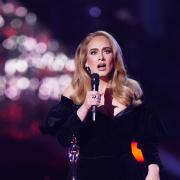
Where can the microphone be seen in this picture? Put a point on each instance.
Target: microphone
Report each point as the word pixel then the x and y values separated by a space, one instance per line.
pixel 95 86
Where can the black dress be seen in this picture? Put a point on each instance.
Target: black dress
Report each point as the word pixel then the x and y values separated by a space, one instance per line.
pixel 105 145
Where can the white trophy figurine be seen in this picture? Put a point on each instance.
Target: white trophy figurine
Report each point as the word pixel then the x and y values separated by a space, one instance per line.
pixel 73 153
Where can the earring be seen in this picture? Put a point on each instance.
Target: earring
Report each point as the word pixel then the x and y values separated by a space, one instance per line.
pixel 88 70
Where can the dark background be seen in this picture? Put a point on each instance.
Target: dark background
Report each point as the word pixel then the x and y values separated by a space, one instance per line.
pixel 148 32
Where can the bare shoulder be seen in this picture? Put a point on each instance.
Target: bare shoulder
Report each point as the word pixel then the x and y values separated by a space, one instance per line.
pixel 68 91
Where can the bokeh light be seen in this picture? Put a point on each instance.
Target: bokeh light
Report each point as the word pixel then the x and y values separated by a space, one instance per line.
pixel 8 8
pixel 95 11
pixel 2 22
pixel 23 83
pixel 12 93
pixel 10 43
pixel 31 19
pixel 32 59
pixel 16 23
pixel 21 11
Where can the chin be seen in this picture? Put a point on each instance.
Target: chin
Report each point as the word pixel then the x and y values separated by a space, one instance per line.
pixel 103 75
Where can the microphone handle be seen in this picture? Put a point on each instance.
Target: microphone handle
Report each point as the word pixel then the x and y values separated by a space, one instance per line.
pixel 94 113
pixel 94 88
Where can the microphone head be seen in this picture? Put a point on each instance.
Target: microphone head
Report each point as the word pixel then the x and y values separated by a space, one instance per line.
pixel 95 81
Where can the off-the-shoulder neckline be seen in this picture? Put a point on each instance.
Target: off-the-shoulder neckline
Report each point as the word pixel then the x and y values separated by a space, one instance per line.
pixel 121 113
pixel 68 100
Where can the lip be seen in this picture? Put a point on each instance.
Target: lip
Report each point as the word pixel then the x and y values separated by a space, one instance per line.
pixel 102 69
pixel 101 65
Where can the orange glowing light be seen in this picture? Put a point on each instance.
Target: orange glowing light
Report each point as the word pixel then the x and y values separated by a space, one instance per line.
pixel 137 153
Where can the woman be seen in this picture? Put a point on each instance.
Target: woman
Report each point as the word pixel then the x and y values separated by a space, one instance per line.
pixel 121 116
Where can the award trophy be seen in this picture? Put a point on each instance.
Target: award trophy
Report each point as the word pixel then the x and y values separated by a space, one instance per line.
pixel 73 153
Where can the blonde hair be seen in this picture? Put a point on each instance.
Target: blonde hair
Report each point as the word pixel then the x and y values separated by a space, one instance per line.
pixel 123 89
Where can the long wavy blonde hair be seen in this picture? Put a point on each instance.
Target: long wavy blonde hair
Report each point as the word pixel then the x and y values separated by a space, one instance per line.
pixel 125 90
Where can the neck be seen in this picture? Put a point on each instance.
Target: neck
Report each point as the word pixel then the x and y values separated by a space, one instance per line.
pixel 102 85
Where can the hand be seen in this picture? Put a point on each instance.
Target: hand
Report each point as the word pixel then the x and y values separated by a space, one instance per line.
pixel 92 98
pixel 153 172
pixel 152 176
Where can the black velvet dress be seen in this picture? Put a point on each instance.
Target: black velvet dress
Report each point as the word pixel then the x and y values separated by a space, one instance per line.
pixel 105 145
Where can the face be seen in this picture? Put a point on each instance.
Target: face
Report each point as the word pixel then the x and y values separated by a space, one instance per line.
pixel 100 57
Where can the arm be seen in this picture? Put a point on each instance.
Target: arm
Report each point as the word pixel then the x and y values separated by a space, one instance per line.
pixel 65 119
pixel 150 129
pixel 152 160
pixel 88 102
pixel 153 172
pixel 62 121
pixel 83 109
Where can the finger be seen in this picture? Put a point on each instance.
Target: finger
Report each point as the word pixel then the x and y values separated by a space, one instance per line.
pixel 94 94
pixel 91 95
pixel 98 96
pixel 101 93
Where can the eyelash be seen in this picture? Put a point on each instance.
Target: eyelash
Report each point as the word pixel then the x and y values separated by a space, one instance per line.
pixel 93 52
pixel 108 51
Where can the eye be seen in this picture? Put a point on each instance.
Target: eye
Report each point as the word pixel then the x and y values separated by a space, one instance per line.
pixel 93 52
pixel 108 51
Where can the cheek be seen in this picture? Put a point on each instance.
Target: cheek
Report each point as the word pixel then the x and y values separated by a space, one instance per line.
pixel 91 61
pixel 111 66
pixel 111 63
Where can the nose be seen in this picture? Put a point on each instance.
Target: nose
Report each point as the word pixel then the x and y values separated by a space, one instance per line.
pixel 101 57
